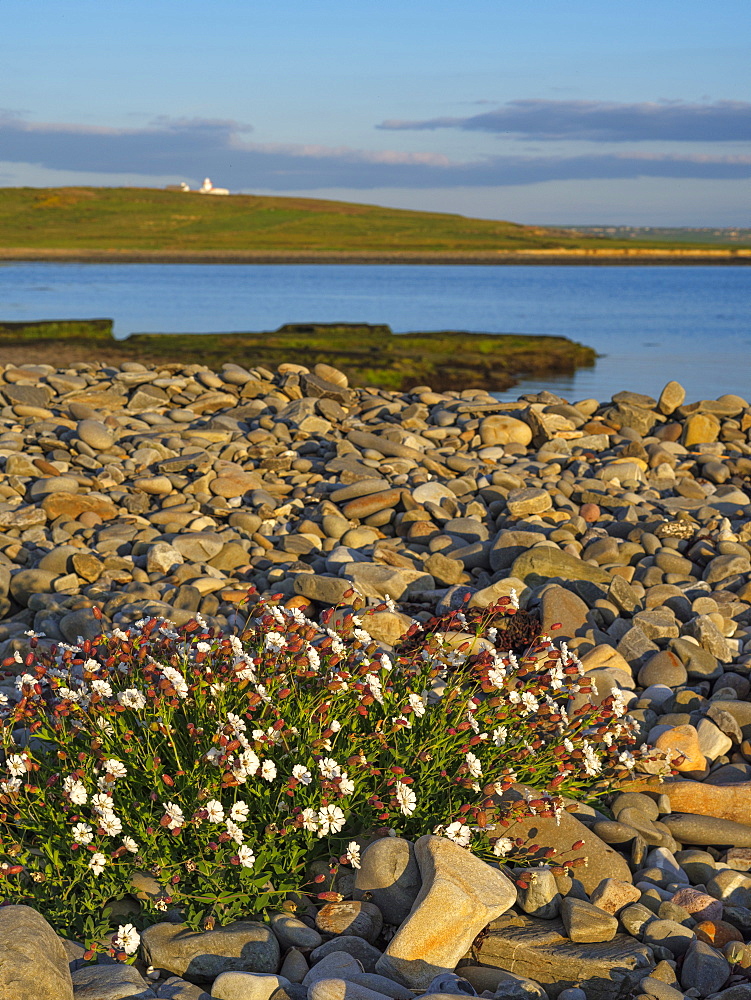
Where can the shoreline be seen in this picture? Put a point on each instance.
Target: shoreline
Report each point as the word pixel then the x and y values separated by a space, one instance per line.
pixel 494 360
pixel 618 256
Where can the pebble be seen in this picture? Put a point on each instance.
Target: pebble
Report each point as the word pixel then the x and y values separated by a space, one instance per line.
pixel 626 521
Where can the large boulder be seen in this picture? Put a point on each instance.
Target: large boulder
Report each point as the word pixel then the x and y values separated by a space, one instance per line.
pixel 460 895
pixel 545 562
pixel 540 950
pixel 561 834
pixel 243 946
pixel 110 982
pixel 33 961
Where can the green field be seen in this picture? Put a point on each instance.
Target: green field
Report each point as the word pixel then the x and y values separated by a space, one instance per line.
pixel 90 219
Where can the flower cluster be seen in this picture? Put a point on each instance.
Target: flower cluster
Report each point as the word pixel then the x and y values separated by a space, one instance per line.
pixel 224 765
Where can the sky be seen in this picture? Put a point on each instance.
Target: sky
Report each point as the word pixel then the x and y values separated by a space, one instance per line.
pixel 558 112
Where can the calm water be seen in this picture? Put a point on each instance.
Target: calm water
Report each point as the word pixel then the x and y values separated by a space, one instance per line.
pixel 649 323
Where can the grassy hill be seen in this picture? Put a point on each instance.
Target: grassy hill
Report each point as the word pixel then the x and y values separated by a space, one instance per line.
pixel 145 219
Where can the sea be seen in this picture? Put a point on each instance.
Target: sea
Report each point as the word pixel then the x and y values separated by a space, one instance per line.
pixel 648 324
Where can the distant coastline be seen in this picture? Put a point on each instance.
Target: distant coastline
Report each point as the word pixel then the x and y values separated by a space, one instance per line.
pixel 569 256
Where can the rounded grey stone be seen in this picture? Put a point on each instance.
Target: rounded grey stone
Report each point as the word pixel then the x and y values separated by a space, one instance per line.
pixel 294 933
pixel 668 934
pixel 356 947
pixel 95 434
pixel 389 877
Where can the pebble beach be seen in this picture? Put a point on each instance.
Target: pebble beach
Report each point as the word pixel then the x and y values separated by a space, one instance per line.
pixel 625 524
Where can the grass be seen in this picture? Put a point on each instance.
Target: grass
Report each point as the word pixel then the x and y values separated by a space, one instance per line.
pixel 146 219
pixel 58 330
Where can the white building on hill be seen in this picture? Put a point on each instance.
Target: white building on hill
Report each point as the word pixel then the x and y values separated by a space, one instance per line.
pixel 208 188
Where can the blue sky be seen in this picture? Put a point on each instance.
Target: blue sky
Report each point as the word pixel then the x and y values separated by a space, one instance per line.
pixel 545 111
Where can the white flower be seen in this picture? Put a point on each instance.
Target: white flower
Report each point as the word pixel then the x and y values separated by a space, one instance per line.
pixel 239 812
pixel 592 763
pixel 386 663
pixel 82 833
pixel 16 764
pixel 261 690
pixel 346 784
pixel 474 766
pixel 238 725
pixel 235 832
pixel 374 683
pixel 416 704
pixel 353 853
pixel 502 846
pixel 362 636
pixel 568 745
pixel 337 646
pixel 101 803
pixel 111 824
pixel 176 679
pixel 329 768
pixel 248 764
pixel 214 811
pixel 175 815
pixel 389 602
pixel 128 939
pixel 202 647
pixel 115 768
pixel 75 790
pixel 619 701
pixel 627 759
pixel 459 833
pixel 10 786
pixel 131 698
pixel 331 820
pixel 497 676
pixel 336 725
pixel 530 702
pixel 130 845
pixel 105 725
pixel 309 819
pixel 97 863
pixel 246 857
pixel 274 642
pixel 268 770
pixel 302 774
pixel 406 798
pixel 102 688
pixel 499 736
pixel 68 694
pixel 24 679
pixel 314 660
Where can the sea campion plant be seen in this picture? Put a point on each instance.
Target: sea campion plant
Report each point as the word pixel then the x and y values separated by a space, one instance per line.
pixel 224 765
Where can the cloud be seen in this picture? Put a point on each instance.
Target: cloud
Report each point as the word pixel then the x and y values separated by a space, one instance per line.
pixel 191 149
pixel 601 121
